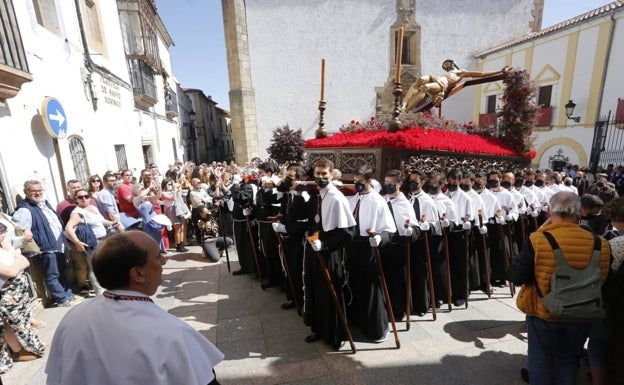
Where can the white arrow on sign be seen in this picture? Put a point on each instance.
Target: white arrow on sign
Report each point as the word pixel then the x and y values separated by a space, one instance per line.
pixel 58 117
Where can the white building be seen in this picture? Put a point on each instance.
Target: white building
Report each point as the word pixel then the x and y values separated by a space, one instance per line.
pixel 576 60
pixel 118 105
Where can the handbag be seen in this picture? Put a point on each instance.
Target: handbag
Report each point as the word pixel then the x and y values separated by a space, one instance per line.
pixel 29 249
pixel 181 209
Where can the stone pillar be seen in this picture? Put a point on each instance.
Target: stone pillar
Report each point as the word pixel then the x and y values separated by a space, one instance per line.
pixel 242 97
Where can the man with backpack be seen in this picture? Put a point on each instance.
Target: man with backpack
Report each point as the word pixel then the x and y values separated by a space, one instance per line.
pixel 561 270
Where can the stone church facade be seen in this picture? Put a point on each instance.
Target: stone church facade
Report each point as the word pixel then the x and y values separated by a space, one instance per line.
pixel 274 51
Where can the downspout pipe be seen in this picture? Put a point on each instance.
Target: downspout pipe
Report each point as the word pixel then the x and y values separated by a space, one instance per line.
pixel 88 62
pixel 606 65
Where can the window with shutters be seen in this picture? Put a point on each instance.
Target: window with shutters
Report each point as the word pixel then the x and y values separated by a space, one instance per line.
pixel 13 64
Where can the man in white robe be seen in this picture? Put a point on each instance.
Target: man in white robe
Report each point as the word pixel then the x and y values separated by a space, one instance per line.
pixel 448 218
pixel 371 212
pixel 122 337
pixel 408 230
pixel 331 227
pixel 427 213
pixel 497 242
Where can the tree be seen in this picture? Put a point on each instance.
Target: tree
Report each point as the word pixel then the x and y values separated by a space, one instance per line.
pixel 286 145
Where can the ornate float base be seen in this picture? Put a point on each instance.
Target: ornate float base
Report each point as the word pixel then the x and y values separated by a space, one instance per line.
pixel 347 159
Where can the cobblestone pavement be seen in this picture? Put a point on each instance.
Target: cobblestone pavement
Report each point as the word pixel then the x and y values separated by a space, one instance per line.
pixel 263 344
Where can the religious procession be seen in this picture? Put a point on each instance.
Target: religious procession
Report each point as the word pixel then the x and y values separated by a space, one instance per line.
pixel 468 230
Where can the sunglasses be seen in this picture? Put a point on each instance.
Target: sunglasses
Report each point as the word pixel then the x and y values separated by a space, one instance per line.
pixel 82 197
pixel 96 181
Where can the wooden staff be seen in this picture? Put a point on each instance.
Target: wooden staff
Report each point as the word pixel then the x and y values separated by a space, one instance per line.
pixel 429 271
pixel 332 290
pixel 227 255
pixel 384 287
pixel 486 262
pixel 522 229
pixel 534 219
pixel 447 259
pixel 253 249
pixel 467 257
pixel 408 279
pixel 501 235
pixel 280 239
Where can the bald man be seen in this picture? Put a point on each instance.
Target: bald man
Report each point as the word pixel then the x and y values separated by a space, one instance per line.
pixel 121 336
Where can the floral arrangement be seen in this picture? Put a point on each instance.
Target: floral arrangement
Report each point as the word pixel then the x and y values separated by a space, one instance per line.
pixel 519 113
pixel 416 138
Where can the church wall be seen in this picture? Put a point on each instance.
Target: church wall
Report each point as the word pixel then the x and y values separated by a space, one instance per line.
pixel 288 39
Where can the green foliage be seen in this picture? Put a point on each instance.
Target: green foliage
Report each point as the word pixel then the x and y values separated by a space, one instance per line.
pixel 286 145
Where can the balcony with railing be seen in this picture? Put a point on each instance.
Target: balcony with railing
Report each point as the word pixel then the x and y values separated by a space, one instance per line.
pixel 487 120
pixel 143 83
pixel 544 116
pixel 171 103
pixel 13 64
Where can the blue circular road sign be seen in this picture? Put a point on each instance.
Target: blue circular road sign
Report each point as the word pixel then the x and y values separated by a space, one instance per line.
pixel 54 118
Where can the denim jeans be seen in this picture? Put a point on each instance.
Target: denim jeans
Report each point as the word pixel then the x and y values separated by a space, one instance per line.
pixel 53 266
pixel 554 350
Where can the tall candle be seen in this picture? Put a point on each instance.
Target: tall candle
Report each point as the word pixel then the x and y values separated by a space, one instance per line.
pixel 322 79
pixel 399 54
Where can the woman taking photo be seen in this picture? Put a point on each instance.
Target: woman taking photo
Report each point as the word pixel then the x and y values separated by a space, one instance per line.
pixel 171 192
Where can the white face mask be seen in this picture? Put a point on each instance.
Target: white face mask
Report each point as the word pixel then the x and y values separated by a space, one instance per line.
pixel 169 187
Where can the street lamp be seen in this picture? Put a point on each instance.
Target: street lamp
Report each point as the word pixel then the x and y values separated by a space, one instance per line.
pixel 193 115
pixel 569 108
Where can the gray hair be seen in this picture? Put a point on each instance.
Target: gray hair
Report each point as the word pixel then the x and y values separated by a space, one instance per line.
pixel 565 204
pixel 31 182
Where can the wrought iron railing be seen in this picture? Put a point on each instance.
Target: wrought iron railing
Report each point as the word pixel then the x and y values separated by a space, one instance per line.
pixel 171 101
pixel 143 78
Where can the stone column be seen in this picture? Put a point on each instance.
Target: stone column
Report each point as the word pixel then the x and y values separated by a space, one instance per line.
pixel 242 96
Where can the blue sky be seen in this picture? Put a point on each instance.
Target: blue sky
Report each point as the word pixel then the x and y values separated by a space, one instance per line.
pixel 201 63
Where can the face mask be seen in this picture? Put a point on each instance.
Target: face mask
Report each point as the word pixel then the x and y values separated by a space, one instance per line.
pixel 539 183
pixel 568 184
pixel 359 186
pixel 414 187
pixel 451 187
pixel 492 183
pixel 391 188
pixel 431 189
pixel 322 182
pixel 287 183
pixel 519 183
pixel 506 184
pixel 169 187
pixel 600 184
pixel 464 187
pixel 528 183
pixel 477 186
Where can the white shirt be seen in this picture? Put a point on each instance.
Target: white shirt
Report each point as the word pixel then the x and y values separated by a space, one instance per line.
pixel 335 213
pixel 102 341
pixel 445 206
pixel 402 211
pixel 490 203
pixel 463 204
pixel 374 213
pixel 428 208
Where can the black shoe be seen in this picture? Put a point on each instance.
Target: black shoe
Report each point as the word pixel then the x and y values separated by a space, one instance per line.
pixel 288 305
pixel 338 345
pixel 439 304
pixel 238 272
pixel 266 283
pixel 181 249
pixel 459 303
pixel 420 314
pixel 312 338
pixel 524 374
